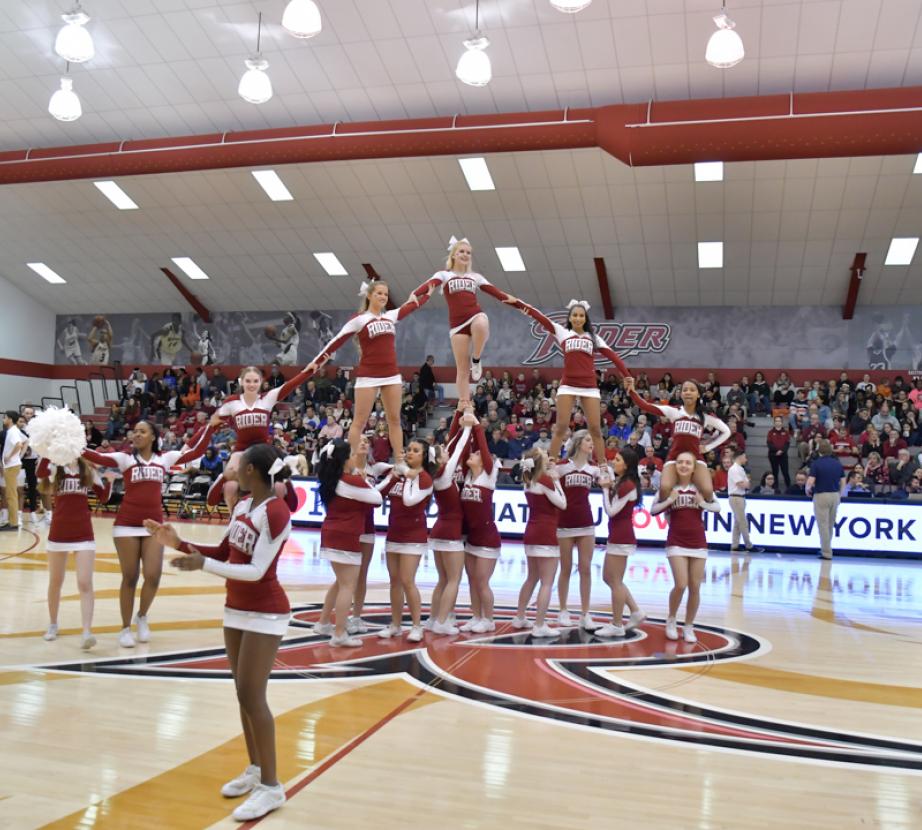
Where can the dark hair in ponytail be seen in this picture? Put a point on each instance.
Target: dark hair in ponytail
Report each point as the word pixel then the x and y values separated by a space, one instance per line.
pixel 630 459
pixel 155 444
pixel 429 466
pixel 699 404
pixel 330 469
pixel 587 327
pixel 262 457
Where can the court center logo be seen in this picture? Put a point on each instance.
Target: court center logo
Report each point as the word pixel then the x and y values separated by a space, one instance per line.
pixel 576 679
pixel 627 339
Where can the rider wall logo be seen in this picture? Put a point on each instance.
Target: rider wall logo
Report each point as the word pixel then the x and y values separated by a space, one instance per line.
pixel 627 339
pixel 577 679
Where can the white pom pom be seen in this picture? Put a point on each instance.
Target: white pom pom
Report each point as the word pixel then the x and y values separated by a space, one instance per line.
pixel 58 435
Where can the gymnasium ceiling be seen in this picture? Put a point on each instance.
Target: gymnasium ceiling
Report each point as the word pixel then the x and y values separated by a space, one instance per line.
pixel 170 67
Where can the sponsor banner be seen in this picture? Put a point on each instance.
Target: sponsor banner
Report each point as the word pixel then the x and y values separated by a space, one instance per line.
pixel 775 523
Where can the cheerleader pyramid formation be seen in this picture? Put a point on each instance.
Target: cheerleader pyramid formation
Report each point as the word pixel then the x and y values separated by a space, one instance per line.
pixel 461 476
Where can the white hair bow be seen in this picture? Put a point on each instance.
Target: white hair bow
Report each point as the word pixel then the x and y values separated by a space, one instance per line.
pixel 327 449
pixel 431 454
pixel 583 303
pixel 364 288
pixel 454 241
pixel 528 464
pixel 277 466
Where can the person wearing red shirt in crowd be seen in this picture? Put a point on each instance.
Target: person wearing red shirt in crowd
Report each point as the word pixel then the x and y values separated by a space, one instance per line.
pixel 893 442
pixel 778 441
pixel 650 459
pixel 376 331
pixel 520 385
pixel 722 472
pixel 256 614
pixel 809 437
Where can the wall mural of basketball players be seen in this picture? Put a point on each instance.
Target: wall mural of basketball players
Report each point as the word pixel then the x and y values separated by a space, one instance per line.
pixel 287 339
pixel 100 341
pixel 68 342
pixel 168 341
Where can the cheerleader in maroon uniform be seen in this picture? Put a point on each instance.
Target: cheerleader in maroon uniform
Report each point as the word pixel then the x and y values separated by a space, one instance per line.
pixel 546 499
pixel 409 491
pixel 577 526
pixel 470 327
pixel 686 545
pixel 71 530
pixel 347 497
pixel 250 414
pixel 620 498
pixel 688 426
pixel 144 472
pixel 579 344
pixel 483 542
pixel 256 614
pixel 446 536
pixel 375 328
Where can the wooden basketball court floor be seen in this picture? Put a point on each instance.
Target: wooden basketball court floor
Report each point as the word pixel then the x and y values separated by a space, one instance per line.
pixel 800 706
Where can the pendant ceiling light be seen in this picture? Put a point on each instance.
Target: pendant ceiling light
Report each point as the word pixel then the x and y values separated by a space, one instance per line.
pixel 474 67
pixel 64 104
pixel 74 42
pixel 725 48
pixel 302 18
pixel 255 86
pixel 570 6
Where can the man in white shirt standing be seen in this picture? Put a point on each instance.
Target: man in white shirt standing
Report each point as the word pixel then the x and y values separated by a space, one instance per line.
pixel 737 486
pixel 13 446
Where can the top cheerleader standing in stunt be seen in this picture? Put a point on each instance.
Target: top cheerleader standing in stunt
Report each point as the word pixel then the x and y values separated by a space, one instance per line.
pixel 376 331
pixel 686 544
pixel 579 344
pixel 688 426
pixel 470 327
pixel 144 472
pixel 256 614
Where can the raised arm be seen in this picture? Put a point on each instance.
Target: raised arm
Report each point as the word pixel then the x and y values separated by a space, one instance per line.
pixel 413 304
pixel 606 351
pixel 488 288
pixel 614 506
pixel 481 440
pixel 196 450
pixel 271 538
pixel 357 489
pixel 427 287
pixel 646 406
pixel 349 330
pixel 115 460
pixel 448 472
pixel 539 316
pixel 289 386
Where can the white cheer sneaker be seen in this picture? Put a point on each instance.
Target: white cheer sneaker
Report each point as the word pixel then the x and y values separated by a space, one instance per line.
pixel 244 783
pixel 262 801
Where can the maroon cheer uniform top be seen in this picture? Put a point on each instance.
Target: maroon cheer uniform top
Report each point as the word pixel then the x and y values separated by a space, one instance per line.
pixel 579 352
pixel 577 481
pixel 460 292
pixel 143 497
pixel 686 521
pixel 477 498
pixel 345 519
pixel 252 423
pixel 247 557
pixel 408 500
pixel 450 520
pixel 687 430
pixel 377 335
pixel 71 522
pixel 372 473
pixel 620 509
pixel 545 499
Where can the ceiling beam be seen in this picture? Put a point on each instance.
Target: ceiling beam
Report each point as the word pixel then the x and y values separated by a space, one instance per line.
pixel 601 274
pixel 854 285
pixel 190 298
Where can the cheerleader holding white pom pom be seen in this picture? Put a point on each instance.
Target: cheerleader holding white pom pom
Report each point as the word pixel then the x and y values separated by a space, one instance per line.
pixel 546 499
pixel 686 544
pixel 470 327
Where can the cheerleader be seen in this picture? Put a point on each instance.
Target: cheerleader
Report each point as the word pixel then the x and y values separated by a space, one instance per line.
pixel 256 614
pixel 546 499
pixel 688 426
pixel 347 497
pixel 376 331
pixel 409 488
pixel 71 530
pixel 579 344
pixel 144 471
pixel 686 545
pixel 619 498
pixel 446 536
pixel 470 327
pixel 576 526
pixel 250 413
pixel 483 543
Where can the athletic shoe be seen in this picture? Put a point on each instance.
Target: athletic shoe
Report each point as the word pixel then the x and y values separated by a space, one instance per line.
pixel 215 492
pixel 356 625
pixel 51 633
pixel 634 620
pixel 326 629
pixel 428 623
pixel 244 783
pixel 416 634
pixel 521 622
pixel 476 370
pixel 345 641
pixel 755 549
pixel 126 638
pixel 672 630
pixel 4 528
pixel 390 631
pixel 588 624
pixel 484 627
pixel 445 628
pixel 469 625
pixel 688 634
pixel 88 641
pixel 143 629
pixel 609 631
pixel 452 619
pixel 545 630
pixel 564 619
pixel 263 801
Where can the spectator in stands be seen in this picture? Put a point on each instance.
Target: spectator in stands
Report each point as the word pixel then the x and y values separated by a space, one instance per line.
pixel 875 472
pixel 914 488
pixel 779 441
pixel 498 445
pixel 331 428
pixel 735 395
pixel 211 463
pixel 826 484
pixel 137 381
pixel 275 379
pixel 859 422
pixel 872 442
pixel 621 429
pixel 799 485
pixel 440 433
pixel 759 394
pixel 866 385
pixel 427 380
pixel 902 470
pixel 520 385
pixel 783 394
pixel 722 473
pixel 767 485
pixel 544 439
pixel 884 416
pixel 893 441
pixel 797 416
pixel 855 485
pixel 116 422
